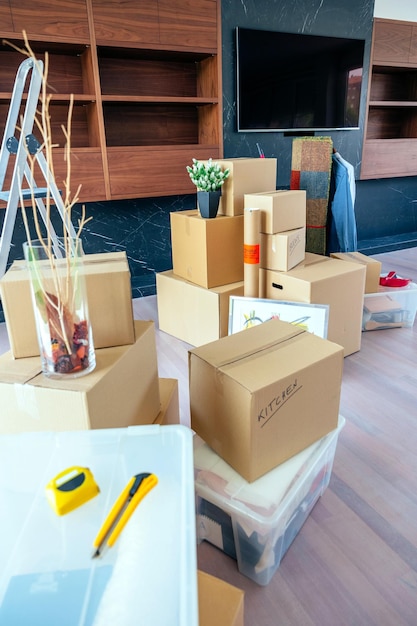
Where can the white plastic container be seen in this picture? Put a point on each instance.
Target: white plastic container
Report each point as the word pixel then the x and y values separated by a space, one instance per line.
pixel 255 523
pixel 390 307
pixel 47 575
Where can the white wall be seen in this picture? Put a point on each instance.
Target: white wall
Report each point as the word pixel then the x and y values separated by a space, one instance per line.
pixel 396 10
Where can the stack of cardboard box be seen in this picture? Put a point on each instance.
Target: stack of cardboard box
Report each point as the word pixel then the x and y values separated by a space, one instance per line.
pixel 288 273
pixel 207 258
pixel 123 390
pixel 259 399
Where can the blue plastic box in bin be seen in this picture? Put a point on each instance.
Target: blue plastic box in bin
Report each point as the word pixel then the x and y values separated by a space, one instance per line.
pixel 255 523
pixel 47 574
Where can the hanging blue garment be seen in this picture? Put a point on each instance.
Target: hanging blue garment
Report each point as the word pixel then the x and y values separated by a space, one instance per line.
pixel 341 224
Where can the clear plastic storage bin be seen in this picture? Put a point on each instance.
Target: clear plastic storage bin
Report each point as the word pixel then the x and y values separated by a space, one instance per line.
pixel 255 523
pixel 48 576
pixel 390 307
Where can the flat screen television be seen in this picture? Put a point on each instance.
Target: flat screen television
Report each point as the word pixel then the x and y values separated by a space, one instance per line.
pixel 297 82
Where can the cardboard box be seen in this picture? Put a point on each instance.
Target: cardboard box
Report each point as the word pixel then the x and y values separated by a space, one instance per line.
pixel 109 295
pixel 122 391
pixel 281 210
pixel 192 313
pixel 256 523
pixel 219 603
pixel 207 252
pixel 246 176
pixel 170 407
pixel 259 396
pixel 373 268
pixel 321 280
pixel 283 251
pixel 390 307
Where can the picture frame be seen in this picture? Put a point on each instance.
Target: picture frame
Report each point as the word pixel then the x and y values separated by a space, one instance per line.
pixel 245 312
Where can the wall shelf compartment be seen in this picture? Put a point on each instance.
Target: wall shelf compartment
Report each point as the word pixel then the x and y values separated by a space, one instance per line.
pixel 390 143
pixel 139 94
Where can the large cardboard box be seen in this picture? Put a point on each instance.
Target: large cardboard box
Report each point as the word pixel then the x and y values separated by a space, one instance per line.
pixel 281 210
pixel 207 252
pixel 283 251
pixel 192 313
pixel 219 603
pixel 246 176
pixel 373 267
pixel 109 295
pixel 122 391
pixel 170 405
pixel 259 396
pixel 321 280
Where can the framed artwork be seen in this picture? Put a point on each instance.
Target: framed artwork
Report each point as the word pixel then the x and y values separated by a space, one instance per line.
pixel 246 312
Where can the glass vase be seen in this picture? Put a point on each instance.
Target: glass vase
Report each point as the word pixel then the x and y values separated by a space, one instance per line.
pixel 60 306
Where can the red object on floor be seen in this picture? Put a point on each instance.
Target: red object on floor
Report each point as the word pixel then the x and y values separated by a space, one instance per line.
pixel 392 280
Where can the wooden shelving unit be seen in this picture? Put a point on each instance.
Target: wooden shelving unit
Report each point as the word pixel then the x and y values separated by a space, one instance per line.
pixel 146 80
pixel 390 144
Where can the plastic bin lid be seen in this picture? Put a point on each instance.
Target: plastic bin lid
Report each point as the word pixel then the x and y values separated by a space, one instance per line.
pixel 47 575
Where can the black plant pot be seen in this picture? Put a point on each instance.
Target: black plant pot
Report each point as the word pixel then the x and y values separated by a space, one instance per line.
pixel 208 202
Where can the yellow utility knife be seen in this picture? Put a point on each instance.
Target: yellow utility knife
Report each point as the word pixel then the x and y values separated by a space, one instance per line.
pixel 126 503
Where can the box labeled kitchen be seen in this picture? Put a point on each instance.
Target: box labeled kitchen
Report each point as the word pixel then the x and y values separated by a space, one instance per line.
pixel 259 396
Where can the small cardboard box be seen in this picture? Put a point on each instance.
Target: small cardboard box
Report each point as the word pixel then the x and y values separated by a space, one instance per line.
pixel 122 391
pixel 373 268
pixel 281 210
pixel 170 407
pixel 109 303
pixel 390 307
pixel 262 395
pixel 321 280
pixel 246 176
pixel 219 603
pixel 199 315
pixel 283 251
pixel 207 252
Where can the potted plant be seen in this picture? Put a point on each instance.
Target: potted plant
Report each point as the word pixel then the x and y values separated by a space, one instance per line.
pixel 208 177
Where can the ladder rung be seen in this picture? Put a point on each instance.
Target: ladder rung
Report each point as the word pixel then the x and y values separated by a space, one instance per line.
pixel 27 194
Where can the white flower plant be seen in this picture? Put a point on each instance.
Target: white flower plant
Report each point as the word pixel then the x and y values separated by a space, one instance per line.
pixel 207 176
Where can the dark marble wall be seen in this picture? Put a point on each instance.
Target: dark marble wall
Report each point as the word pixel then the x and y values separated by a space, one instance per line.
pixel 339 18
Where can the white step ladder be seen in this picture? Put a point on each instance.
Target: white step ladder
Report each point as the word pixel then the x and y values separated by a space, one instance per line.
pixel 26 144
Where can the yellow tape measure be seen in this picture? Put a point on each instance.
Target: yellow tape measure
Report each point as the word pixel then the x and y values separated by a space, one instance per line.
pixel 70 489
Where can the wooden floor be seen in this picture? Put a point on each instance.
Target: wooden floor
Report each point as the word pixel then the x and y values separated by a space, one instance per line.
pixel 354 562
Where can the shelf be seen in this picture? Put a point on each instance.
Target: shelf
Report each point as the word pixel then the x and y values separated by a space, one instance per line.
pixel 146 84
pixel 390 144
pixel 387 158
pixel 159 100
pixel 393 103
pixel 150 171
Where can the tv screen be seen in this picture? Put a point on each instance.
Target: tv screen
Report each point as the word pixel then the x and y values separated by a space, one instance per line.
pixel 297 82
